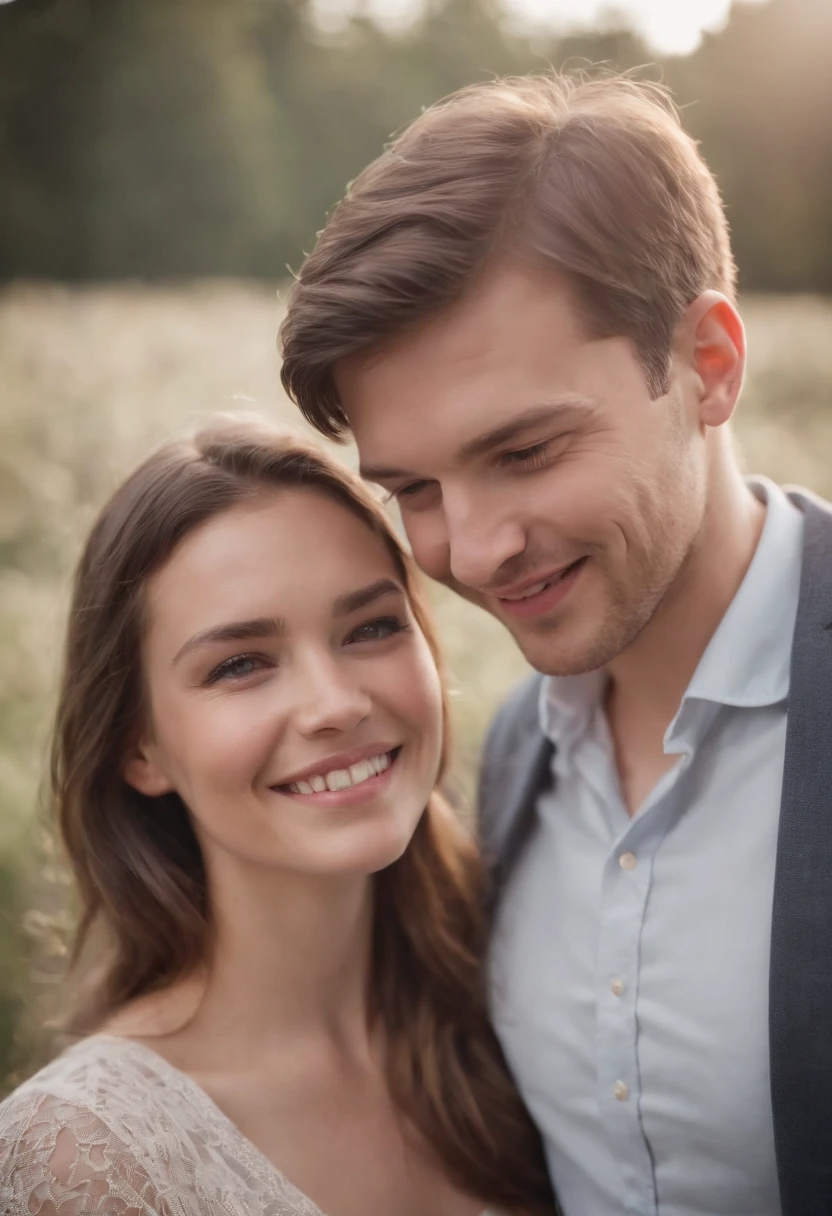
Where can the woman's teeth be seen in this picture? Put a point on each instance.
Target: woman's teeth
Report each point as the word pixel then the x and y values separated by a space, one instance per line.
pixel 343 778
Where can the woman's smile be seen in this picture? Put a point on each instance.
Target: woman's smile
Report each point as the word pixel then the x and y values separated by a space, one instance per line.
pixel 344 782
pixel 343 769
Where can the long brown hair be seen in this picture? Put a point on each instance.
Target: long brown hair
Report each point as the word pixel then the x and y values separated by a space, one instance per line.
pixel 138 866
pixel 590 175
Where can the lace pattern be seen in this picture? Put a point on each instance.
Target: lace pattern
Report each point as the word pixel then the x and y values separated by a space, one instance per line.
pixel 110 1129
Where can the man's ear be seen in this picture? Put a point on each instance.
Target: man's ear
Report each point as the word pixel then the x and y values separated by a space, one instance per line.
pixel 716 346
pixel 142 770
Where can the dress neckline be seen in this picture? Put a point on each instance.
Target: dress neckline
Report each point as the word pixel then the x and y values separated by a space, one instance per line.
pixel 257 1159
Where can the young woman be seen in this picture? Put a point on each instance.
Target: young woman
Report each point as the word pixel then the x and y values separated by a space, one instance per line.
pixel 285 1011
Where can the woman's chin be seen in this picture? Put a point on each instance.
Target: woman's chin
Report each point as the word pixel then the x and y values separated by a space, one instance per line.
pixel 363 849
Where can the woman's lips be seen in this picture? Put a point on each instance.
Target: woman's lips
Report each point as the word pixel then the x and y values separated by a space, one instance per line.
pixel 353 795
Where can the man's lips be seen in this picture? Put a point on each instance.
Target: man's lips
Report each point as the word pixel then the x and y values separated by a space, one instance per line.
pixel 545 594
pixel 530 586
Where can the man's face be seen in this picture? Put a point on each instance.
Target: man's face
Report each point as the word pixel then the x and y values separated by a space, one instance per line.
pixel 534 473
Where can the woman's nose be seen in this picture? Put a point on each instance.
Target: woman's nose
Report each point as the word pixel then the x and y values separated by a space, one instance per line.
pixel 331 697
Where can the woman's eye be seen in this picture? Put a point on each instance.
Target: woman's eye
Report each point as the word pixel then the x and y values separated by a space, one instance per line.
pixel 236 668
pixel 377 630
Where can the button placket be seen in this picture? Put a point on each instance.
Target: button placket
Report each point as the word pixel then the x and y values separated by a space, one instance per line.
pixel 624 896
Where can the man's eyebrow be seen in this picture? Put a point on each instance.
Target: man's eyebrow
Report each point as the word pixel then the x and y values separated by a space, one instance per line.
pixel 561 409
pixel 234 631
pixel 353 600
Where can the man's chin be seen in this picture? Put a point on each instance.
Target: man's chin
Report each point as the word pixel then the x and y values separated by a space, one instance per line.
pixel 554 663
pixel 561 651
pixel 564 643
pixel 544 644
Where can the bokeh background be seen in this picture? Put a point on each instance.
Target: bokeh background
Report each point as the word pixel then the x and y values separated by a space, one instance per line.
pixel 163 166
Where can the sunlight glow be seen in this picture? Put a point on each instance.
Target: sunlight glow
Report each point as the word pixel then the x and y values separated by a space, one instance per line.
pixel 670 27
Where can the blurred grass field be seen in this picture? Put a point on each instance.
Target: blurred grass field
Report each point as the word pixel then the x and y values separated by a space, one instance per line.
pixel 90 379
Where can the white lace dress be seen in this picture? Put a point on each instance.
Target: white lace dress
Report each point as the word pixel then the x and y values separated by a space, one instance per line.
pixel 109 1128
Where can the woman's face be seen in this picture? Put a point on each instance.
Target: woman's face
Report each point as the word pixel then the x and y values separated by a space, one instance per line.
pixel 294 704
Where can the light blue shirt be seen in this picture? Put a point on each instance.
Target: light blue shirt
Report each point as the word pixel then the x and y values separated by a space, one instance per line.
pixel 630 958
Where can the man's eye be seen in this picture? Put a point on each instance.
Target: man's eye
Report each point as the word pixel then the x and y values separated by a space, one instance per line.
pixel 533 456
pixel 236 668
pixel 409 491
pixel 377 630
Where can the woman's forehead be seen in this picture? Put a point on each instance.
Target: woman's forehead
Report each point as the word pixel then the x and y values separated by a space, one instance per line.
pixel 293 556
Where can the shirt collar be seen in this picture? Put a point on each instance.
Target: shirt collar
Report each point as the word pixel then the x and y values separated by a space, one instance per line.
pixel 747 661
pixel 567 704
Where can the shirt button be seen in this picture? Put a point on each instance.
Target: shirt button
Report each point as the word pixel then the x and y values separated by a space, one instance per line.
pixel 621 1091
pixel 616 985
pixel 628 861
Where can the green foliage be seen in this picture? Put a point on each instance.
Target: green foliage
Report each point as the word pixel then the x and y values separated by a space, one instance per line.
pixel 172 138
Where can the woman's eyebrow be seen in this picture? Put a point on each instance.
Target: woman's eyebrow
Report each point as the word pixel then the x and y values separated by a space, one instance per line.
pixel 353 600
pixel 275 627
pixel 234 631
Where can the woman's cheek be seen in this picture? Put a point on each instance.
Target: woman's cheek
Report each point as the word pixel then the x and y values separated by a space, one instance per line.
pixel 231 732
pixel 425 702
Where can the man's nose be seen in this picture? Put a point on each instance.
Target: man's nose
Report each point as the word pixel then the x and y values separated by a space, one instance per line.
pixel 480 540
pixel 331 696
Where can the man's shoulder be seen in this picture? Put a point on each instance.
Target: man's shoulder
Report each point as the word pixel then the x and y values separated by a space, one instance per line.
pixel 816 577
pixel 817 510
pixel 514 762
pixel 517 718
pixel 512 767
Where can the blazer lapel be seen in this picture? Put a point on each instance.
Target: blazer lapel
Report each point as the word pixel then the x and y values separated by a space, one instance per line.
pixel 516 768
pixel 532 776
pixel 800 1008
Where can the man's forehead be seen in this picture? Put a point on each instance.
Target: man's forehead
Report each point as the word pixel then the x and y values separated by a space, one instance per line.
pixel 511 305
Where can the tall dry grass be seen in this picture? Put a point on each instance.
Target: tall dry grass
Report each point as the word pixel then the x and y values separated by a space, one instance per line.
pixel 91 378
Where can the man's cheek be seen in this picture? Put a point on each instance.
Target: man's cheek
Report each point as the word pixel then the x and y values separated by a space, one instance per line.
pixel 431 557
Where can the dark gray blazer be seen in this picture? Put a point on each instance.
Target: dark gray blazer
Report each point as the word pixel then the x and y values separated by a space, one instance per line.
pixel 517 768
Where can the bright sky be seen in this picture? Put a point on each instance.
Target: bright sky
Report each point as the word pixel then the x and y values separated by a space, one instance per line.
pixel 670 26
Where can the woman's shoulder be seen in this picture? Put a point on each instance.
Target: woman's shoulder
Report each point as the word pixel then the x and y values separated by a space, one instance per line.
pixel 111 1126
pixel 83 1132
pixel 101 1072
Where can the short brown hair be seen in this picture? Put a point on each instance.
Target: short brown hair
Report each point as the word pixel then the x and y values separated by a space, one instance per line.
pixel 593 176
pixel 143 895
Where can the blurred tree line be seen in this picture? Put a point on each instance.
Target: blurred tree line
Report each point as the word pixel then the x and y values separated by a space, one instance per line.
pixel 172 138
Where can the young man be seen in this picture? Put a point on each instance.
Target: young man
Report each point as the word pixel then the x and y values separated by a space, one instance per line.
pixel 525 313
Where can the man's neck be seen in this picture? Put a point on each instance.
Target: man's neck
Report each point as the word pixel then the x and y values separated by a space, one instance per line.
pixel 648 680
